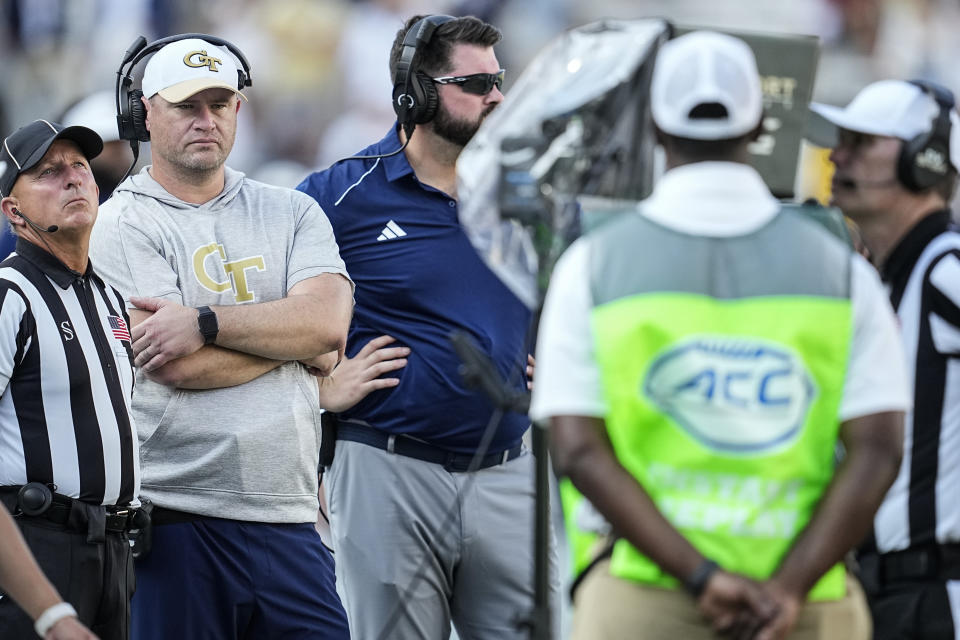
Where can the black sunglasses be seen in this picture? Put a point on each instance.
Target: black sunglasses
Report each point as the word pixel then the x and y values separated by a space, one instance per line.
pixel 479 84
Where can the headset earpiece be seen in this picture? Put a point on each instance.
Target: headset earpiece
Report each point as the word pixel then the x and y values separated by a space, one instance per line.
pixel 138 115
pixel 125 126
pixel 925 160
pixel 429 98
pixel 415 98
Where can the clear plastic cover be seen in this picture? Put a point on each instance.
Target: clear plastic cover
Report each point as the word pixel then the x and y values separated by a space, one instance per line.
pixel 575 123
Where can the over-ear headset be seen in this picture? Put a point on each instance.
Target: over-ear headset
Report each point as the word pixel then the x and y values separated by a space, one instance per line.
pixel 131 114
pixel 415 98
pixel 925 160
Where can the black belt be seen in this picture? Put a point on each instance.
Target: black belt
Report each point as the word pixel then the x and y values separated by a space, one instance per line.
pixel 162 516
pixel 116 519
pixel 933 562
pixel 413 448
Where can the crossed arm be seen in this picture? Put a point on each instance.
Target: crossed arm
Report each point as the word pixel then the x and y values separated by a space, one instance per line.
pixel 310 325
pixel 734 604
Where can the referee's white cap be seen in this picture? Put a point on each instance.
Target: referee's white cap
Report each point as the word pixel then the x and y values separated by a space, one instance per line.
pixel 892 108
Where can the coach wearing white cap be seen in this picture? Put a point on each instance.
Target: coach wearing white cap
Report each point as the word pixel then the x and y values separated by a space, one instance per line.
pixel 236 286
pixel 699 360
pixel 897 151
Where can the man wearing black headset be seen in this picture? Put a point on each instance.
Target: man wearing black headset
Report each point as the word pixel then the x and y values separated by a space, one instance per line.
pixel 428 524
pixel 234 286
pixel 897 152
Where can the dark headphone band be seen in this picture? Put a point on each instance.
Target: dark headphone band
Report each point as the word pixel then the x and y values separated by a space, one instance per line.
pixel 156 45
pixel 417 36
pixel 940 129
pixel 140 49
pixel 941 94
pixel 925 159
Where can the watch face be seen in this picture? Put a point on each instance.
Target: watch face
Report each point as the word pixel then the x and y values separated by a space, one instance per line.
pixel 207 321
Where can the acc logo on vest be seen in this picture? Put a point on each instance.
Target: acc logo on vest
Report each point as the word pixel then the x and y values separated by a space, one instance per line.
pixel 732 394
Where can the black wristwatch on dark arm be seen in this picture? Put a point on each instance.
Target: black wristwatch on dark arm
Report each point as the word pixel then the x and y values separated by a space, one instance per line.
pixel 696 582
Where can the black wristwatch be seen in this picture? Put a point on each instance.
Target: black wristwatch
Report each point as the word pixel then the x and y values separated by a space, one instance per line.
pixel 696 582
pixel 207 321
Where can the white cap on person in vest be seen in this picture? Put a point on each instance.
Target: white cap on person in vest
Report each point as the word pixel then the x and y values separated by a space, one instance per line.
pixel 706 86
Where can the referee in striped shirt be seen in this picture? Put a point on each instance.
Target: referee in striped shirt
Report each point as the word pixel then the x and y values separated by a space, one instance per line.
pixel 896 157
pixel 69 469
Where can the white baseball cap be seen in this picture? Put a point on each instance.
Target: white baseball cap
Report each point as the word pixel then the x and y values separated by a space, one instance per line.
pixel 185 67
pixel 706 68
pixel 892 108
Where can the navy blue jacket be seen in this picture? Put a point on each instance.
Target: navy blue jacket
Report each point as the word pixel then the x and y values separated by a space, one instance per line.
pixel 419 279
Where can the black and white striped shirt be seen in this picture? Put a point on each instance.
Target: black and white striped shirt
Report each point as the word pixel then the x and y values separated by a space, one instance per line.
pixel 66 378
pixel 923 275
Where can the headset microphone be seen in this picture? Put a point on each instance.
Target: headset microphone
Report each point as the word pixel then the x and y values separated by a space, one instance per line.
pixel 51 229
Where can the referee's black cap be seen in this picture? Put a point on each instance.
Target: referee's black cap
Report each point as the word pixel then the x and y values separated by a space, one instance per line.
pixel 26 146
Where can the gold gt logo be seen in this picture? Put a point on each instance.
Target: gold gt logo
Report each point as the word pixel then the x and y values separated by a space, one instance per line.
pixel 234 272
pixel 202 60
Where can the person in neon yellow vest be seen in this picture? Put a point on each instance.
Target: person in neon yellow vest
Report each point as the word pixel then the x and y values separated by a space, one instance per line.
pixel 700 360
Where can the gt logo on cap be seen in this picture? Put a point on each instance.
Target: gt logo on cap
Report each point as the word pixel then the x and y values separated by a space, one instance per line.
pixel 203 60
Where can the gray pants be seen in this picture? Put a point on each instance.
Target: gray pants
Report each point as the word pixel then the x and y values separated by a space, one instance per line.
pixel 469 536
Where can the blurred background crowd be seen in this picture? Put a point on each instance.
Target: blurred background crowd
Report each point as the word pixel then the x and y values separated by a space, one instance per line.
pixel 321 85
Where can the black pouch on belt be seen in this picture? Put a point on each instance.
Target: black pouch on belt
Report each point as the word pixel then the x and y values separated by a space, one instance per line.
pixel 328 439
pixel 141 531
pixel 34 498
